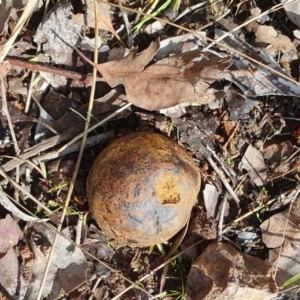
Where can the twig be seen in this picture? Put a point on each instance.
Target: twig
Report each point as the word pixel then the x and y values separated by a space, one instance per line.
pixel 41 67
pixel 231 136
pixel 127 26
pixel 6 113
pixel 224 181
pixel 38 49
pixel 99 278
pixel 17 186
pixel 84 137
pixel 94 127
pixel 91 141
pixel 25 161
pixel 273 9
pixel 252 211
pixel 189 10
pixel 174 247
pixel 233 180
pixel 221 216
pixel 79 229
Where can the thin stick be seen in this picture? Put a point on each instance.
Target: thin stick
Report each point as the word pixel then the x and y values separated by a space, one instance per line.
pixel 174 247
pixel 72 183
pixel 91 297
pixel 33 75
pixel 252 211
pixel 231 136
pixel 221 216
pixel 78 230
pixel 188 10
pixel 127 26
pixel 95 126
pixel 17 186
pixel 6 113
pixel 233 180
pixel 224 181
pixel 273 9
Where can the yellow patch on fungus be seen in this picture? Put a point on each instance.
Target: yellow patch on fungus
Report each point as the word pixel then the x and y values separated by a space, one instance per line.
pixel 166 189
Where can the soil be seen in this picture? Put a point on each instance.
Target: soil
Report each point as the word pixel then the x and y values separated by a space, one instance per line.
pixel 221 131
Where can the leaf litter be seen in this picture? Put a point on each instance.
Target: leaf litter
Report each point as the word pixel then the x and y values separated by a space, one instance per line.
pixel 244 116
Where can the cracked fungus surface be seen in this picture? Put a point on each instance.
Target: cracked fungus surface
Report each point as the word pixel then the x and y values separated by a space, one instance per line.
pixel 141 188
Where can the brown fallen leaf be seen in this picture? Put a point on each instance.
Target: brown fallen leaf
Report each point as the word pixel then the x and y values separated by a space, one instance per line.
pixel 287 259
pixel 181 78
pixel 253 162
pixel 11 279
pixel 10 233
pixel 103 17
pixel 222 272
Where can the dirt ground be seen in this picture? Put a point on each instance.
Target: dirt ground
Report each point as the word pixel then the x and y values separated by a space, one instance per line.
pixel 229 102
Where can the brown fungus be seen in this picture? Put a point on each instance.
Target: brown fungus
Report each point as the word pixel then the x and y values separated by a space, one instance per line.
pixel 141 188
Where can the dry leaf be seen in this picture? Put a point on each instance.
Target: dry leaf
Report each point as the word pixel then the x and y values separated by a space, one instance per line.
pixel 173 80
pixel 268 38
pixel 273 42
pixel 11 279
pixel 103 17
pixel 293 11
pixel 68 267
pixel 273 230
pixel 57 29
pixel 253 162
pixel 10 233
pixel 275 152
pixel 222 272
pixel 211 197
pixel 253 79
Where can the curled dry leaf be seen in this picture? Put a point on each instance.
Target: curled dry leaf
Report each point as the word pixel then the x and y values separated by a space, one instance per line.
pixel 7 204
pixel 181 78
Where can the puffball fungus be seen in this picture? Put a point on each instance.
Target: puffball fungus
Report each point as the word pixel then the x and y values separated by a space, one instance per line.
pixel 141 188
